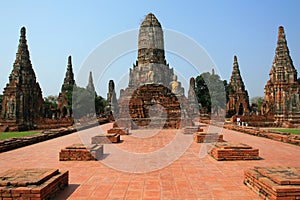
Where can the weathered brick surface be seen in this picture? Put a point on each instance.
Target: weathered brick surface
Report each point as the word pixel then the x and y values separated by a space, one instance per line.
pixel 278 183
pixel 233 151
pixel 32 184
pixel 201 137
pixel 78 152
pixel 106 139
pixel 118 130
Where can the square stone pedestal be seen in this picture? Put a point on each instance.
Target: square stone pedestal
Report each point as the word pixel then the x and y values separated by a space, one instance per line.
pixel 201 137
pixel 233 151
pixel 32 183
pixel 279 183
pixel 192 129
pixel 106 139
pixel 118 130
pixel 78 152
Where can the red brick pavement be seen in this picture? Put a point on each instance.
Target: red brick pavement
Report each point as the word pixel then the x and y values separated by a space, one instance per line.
pixel 193 176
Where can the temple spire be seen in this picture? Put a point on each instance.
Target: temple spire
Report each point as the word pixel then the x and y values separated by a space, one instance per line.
pixel 69 78
pixel 236 79
pixel 282 60
pixel 22 55
pixel 90 85
pixel 22 97
pixel 151 41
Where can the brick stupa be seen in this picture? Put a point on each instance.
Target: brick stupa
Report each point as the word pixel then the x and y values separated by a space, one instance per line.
pixel 154 97
pixel 282 89
pixel 238 96
pixel 22 105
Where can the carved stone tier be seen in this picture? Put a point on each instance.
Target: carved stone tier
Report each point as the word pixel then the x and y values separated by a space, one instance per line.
pixel 274 182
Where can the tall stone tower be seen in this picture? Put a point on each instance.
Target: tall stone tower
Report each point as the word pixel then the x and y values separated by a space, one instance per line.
pixel 64 104
pixel 22 104
pixel 151 66
pixel 90 86
pixel 154 97
pixel 238 96
pixel 282 89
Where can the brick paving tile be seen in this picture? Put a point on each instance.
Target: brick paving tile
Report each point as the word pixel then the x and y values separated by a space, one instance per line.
pixel 194 175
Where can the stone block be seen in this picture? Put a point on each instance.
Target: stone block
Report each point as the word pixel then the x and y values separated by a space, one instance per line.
pixel 78 152
pixel 32 183
pixel 106 139
pixel 202 137
pixel 118 130
pixel 192 129
pixel 233 151
pixel 274 182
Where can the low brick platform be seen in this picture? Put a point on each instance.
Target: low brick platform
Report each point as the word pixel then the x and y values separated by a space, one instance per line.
pixel 233 151
pixel 201 137
pixel 33 184
pixel 79 152
pixel 192 129
pixel 106 139
pixel 279 183
pixel 118 130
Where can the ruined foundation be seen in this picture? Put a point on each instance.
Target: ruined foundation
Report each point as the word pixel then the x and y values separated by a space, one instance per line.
pixel 233 151
pixel 32 184
pixel 78 152
pixel 279 183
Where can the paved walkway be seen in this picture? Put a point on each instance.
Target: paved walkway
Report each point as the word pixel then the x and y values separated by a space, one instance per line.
pixel 194 175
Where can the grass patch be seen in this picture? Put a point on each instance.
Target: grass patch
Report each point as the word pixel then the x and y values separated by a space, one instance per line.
pixel 6 135
pixel 287 130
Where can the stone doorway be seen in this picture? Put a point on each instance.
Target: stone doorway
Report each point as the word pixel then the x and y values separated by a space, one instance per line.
pixel 241 109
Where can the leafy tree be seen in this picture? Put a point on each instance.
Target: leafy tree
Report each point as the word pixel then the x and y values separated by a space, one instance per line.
pixel 210 91
pixel 298 80
pixel 100 103
pixel 50 102
pixel 86 103
pixel 68 91
pixel 257 101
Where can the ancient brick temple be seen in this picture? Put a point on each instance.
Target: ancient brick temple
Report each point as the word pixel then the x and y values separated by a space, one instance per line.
pixel 111 108
pixel 22 105
pixel 90 86
pixel 282 89
pixel 154 97
pixel 238 103
pixel 63 106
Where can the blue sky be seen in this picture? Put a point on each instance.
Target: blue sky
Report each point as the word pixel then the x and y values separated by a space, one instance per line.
pixel 56 29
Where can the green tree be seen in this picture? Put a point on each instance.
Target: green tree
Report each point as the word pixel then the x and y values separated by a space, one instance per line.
pixel 50 103
pixel 86 103
pixel 256 102
pixel 210 91
pixel 100 103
